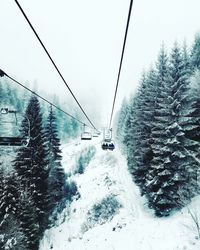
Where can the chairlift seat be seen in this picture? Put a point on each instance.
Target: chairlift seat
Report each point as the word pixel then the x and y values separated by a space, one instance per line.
pixel 108 145
pixel 86 136
pixel 14 141
pixel 95 135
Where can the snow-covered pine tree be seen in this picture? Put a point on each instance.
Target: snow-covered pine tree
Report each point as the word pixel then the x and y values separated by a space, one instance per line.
pixel 190 119
pixel 195 53
pixel 192 124
pixel 137 136
pixel 156 173
pixel 57 177
pixel 11 234
pixel 9 202
pixel 130 137
pixel 31 163
pixel 143 133
pixel 187 58
pixel 28 221
pixel 175 178
pixel 122 116
pixel 130 133
pixel 192 111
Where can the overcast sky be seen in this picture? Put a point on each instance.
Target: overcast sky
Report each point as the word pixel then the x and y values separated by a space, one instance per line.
pixel 85 39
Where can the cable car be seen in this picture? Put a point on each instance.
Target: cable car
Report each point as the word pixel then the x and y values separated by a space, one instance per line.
pixel 12 139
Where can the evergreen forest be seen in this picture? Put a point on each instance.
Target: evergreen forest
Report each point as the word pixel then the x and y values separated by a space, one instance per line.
pixel 158 129
pixel 34 187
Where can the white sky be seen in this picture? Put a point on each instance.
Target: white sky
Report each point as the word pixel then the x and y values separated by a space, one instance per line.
pixel 85 39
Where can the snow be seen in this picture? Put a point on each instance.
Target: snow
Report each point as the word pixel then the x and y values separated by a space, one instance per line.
pixel 134 227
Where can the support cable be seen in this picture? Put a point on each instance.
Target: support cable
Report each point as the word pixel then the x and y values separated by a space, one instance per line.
pixel 54 64
pixel 2 73
pixel 120 65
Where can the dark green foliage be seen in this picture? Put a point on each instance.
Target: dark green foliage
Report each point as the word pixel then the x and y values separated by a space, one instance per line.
pixel 71 190
pixel 31 163
pixel 105 210
pixel 162 133
pixel 9 198
pixel 28 221
pixel 122 121
pixel 173 171
pixel 39 174
pixel 56 177
pixel 102 212
pixel 84 159
pixel 195 53
pixel 11 235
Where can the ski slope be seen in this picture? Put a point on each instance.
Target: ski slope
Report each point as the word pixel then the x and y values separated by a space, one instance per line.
pixel 133 228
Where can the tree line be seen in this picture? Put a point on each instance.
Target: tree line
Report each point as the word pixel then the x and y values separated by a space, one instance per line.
pixel 159 129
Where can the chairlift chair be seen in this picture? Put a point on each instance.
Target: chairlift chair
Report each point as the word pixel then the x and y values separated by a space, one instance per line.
pixel 14 140
pixel 95 134
pixel 86 136
pixel 107 145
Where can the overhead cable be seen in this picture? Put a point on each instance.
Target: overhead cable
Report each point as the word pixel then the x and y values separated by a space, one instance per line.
pixel 2 73
pixel 120 65
pixel 54 64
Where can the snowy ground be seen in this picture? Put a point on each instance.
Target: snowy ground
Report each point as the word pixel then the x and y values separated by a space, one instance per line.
pixel 133 228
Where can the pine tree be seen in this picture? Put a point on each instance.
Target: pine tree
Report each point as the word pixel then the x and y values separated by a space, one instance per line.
pixel 192 123
pixel 195 53
pixel 131 137
pixel 145 106
pixel 186 59
pixel 161 157
pixel 159 135
pixel 57 177
pixel 11 234
pixel 171 182
pixel 122 121
pixel 31 164
pixel 28 221
pixel 9 201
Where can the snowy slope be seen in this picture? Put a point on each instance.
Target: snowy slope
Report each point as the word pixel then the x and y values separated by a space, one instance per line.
pixel 133 228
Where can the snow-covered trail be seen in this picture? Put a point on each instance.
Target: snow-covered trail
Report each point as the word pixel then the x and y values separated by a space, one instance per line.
pixel 133 228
